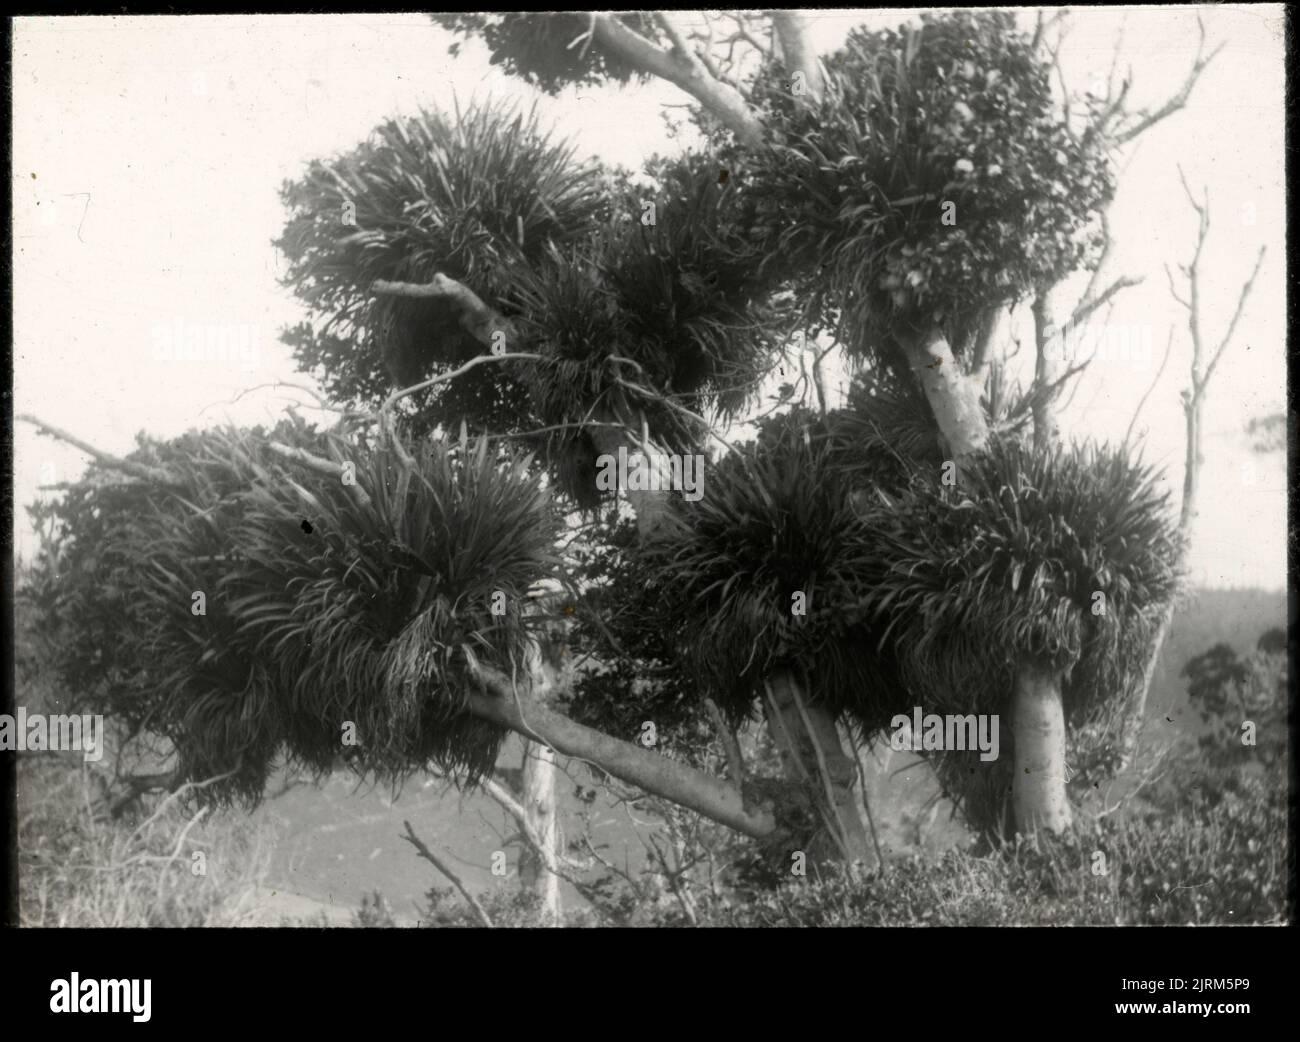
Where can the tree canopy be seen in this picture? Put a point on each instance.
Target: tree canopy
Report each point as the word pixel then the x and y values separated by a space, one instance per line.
pixel 349 574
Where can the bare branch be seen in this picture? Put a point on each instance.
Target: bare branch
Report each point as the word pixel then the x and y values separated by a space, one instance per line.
pixel 1236 315
pixel 151 474
pixel 321 466
pixel 445 869
pixel 509 356
pixel 1173 290
pixel 321 403
pixel 477 319
pixel 1107 246
pixel 1169 344
pixel 1087 307
pixel 686 71
pixel 1146 119
pixel 653 772
pixel 1041 26
pixel 1193 401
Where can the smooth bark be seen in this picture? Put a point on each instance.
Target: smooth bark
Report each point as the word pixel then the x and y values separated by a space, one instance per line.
pixel 1050 348
pixel 812 756
pixel 685 70
pixel 540 775
pixel 798 53
pixel 678 782
pixel 953 395
pixel 1038 723
pixel 650 508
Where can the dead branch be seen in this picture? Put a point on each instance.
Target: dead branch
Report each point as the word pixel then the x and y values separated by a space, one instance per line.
pixel 321 403
pixel 1086 306
pixel 684 69
pixel 1169 344
pixel 1145 119
pixel 154 475
pixel 1193 401
pixel 433 381
pixel 476 318
pixel 442 867
pixel 321 466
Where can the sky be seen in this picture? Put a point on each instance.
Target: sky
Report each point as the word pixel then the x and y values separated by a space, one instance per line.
pixel 148 153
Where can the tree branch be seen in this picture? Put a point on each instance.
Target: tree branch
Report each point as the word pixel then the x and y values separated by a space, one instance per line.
pixel 1169 345
pixel 1236 315
pixel 678 782
pixel 151 474
pixel 445 869
pixel 1193 402
pixel 476 318
pixel 1146 119
pixel 321 466
pixel 1087 307
pixel 686 71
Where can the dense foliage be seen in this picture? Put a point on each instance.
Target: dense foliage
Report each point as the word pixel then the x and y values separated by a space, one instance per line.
pixel 644 303
pixel 851 199
pixel 324 615
pixel 550 50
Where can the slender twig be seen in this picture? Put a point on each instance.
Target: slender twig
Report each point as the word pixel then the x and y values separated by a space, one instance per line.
pixel 433 381
pixel 1147 119
pixel 442 867
pixel 1169 343
pixel 321 403
pixel 1087 306
pixel 866 803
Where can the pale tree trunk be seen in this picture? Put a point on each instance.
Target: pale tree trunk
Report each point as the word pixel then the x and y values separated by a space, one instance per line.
pixel 954 396
pixel 813 757
pixel 649 507
pixel 540 776
pixel 798 54
pixel 549 671
pixel 1048 342
pixel 1038 727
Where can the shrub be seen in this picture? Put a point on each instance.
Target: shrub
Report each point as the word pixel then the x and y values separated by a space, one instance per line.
pixel 321 610
pixel 80 867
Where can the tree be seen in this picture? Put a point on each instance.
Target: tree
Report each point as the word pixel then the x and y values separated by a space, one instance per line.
pixel 929 543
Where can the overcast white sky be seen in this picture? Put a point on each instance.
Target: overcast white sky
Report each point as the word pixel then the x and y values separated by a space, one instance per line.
pixel 148 153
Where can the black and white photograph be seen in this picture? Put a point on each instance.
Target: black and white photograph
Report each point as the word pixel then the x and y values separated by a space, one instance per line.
pixel 661 469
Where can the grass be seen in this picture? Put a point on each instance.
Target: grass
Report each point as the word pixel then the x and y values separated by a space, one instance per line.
pixel 80 867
